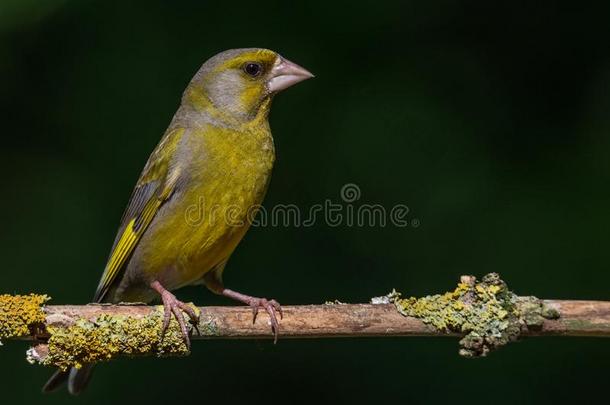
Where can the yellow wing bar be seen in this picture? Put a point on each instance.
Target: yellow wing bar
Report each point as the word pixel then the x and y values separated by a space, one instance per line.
pixel 126 245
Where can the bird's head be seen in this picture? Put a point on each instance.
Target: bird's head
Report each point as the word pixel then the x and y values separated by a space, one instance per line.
pixel 240 83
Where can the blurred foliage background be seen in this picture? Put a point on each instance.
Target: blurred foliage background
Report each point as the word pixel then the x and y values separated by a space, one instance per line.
pixel 489 121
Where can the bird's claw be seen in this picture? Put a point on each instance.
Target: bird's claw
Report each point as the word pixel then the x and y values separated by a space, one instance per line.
pixel 272 307
pixel 173 306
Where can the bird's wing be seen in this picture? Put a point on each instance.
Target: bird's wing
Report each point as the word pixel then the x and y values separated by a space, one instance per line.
pixel 155 186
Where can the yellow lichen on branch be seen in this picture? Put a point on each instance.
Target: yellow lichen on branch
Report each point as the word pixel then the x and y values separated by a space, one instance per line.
pixel 108 336
pixel 71 342
pixel 487 313
pixel 20 315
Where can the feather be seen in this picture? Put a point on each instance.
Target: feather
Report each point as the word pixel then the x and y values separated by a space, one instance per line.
pixel 154 188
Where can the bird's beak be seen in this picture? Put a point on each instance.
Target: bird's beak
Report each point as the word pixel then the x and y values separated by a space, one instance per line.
pixel 285 74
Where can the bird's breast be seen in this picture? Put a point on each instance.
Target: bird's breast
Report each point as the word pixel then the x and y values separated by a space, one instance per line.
pixel 225 177
pixel 232 177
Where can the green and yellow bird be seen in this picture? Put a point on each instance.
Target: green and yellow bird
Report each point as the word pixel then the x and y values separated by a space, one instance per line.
pixel 195 198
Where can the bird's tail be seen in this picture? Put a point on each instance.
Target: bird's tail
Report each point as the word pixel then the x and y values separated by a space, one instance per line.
pixel 77 379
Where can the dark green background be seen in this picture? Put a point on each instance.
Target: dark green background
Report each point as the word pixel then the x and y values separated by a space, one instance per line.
pixel 490 122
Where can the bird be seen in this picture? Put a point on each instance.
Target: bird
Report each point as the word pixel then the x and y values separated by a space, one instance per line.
pixel 197 193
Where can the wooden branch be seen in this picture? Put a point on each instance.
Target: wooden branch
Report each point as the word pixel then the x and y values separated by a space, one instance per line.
pixel 578 318
pixel 486 315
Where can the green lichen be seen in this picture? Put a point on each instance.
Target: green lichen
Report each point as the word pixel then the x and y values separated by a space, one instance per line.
pixel 487 313
pixel 20 315
pixel 207 326
pixel 109 336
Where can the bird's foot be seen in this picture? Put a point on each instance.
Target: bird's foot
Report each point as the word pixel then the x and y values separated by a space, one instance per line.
pixel 272 307
pixel 171 305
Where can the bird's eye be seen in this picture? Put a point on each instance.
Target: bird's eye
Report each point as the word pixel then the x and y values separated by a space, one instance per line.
pixel 253 69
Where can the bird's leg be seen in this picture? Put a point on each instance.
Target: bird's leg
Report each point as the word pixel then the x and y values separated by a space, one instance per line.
pixel 271 306
pixel 171 305
pixel 213 281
